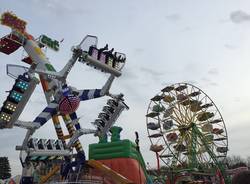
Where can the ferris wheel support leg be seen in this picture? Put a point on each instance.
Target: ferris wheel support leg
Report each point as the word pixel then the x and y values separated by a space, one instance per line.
pixel 158 161
pixel 224 179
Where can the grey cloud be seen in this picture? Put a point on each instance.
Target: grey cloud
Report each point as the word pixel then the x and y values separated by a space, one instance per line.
pixel 208 82
pixel 213 84
pixel 187 28
pixel 239 16
pixel 173 17
pixel 164 84
pixel 132 94
pixel 230 47
pixel 151 72
pixel 223 21
pixel 213 71
pixel 205 79
pixel 236 99
pixel 138 51
pixel 129 73
pixel 242 125
pixel 190 81
pixel 60 8
pixel 192 67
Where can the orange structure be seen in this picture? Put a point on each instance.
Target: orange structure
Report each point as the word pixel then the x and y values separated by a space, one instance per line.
pixel 127 167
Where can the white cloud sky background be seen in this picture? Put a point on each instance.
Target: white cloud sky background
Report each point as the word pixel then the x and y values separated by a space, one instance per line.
pixel 206 43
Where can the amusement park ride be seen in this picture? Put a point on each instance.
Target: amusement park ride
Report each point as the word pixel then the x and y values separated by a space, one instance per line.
pixel 188 133
pixel 62 99
pixel 184 125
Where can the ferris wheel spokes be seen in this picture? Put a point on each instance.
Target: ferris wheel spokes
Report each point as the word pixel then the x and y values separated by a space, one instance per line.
pixel 182 119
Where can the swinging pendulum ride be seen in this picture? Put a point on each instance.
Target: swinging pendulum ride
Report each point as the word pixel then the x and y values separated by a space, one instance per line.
pixel 63 101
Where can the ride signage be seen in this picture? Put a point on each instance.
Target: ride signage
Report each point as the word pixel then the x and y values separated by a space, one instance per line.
pixel 46 41
pixel 13 21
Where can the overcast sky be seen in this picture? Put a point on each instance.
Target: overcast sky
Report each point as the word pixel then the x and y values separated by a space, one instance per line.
pixel 206 43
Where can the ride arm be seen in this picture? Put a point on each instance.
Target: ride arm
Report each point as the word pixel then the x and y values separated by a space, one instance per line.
pixel 77 52
pixel 27 125
pixel 62 75
pixel 88 94
pixel 46 114
pixel 31 127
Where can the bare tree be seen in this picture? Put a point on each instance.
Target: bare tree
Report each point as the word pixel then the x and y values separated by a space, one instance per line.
pixel 248 162
pixel 235 161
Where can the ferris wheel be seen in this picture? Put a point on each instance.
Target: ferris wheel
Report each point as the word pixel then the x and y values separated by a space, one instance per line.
pixel 186 128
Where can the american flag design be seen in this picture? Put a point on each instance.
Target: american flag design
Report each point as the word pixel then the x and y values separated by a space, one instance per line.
pixel 69 104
